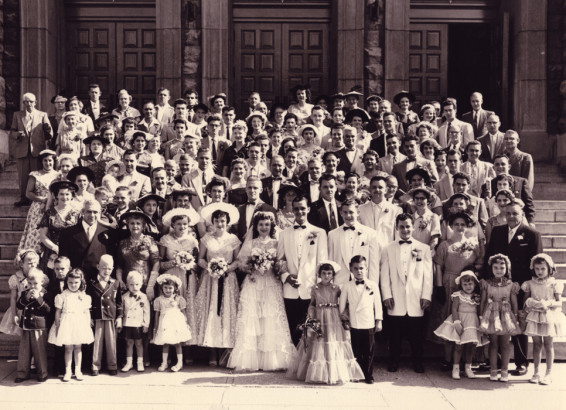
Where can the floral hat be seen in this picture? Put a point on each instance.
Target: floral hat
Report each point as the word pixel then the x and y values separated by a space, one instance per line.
pixel 231 210
pixel 167 277
pixel 256 114
pixel 464 274
pixel 545 257
pixel 307 127
pixel 334 265
pixel 190 213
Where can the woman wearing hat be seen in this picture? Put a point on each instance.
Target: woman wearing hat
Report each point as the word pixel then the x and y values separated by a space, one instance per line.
pixel 302 108
pixel 452 257
pixel 256 124
pixel 217 102
pixel 37 191
pixel 97 157
pixel 70 137
pixel 124 110
pixel 357 118
pixel 150 205
pixel 54 220
pixel 420 178
pixel 427 116
pixel 82 177
pixel 139 144
pixel 308 134
pixel 405 116
pixel 84 122
pixel 461 203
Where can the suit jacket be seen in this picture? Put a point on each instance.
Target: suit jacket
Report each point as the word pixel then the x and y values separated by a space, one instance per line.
pixel 221 146
pixel 139 185
pixel 444 188
pixel 107 301
pixel 34 311
pixel 53 289
pixel 164 114
pixel 481 127
pixel 87 109
pixel 306 188
pixel 386 164
pixel 74 244
pixel 240 228
pixel 400 171
pixel 467 133
pixel 194 180
pixel 521 165
pixel 521 189
pixel 408 291
pixel 484 171
pixel 378 145
pixel 478 210
pixel 34 140
pixel 350 166
pixel 384 225
pixel 525 244
pixel 314 251
pixel 341 251
pixel 499 147
pixel 363 309
pixel 267 193
pixel 318 216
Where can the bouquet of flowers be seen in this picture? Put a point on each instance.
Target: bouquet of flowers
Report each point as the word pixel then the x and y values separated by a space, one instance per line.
pixel 466 247
pixel 312 324
pixel 185 260
pixel 261 260
pixel 217 267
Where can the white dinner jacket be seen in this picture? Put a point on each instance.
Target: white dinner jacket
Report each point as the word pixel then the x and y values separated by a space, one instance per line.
pixel 384 225
pixel 363 308
pixel 406 292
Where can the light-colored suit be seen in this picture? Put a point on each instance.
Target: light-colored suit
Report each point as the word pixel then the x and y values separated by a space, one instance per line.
pixel 168 131
pixel 382 222
pixel 341 251
pixel 467 133
pixel 193 180
pixel 139 184
pixel 478 175
pixel 363 308
pixel 444 188
pixel 386 163
pixel 314 251
pixel 408 291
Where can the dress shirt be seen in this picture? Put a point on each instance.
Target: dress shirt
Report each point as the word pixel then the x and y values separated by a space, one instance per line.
pixel 300 235
pixel 314 190
pixel 102 282
pixel 89 230
pixel 405 253
pixel 360 287
pixel 376 210
pixel 512 233
pixel 250 208
pixel 329 206
pixel 275 185
pixel 95 107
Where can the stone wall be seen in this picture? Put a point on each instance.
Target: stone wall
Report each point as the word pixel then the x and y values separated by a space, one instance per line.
pixel 373 49
pixel 556 68
pixel 192 31
pixel 9 60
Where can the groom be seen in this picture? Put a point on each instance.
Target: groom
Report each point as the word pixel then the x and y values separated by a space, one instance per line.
pixel 300 249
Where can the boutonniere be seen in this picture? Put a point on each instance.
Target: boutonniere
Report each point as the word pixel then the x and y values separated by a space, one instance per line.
pixel 359 233
pixel 520 237
pixel 133 183
pixel 312 236
pixel 417 254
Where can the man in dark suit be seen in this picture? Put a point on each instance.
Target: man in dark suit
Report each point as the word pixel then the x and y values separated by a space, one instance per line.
pixel 492 141
pixel 272 184
pixel 400 169
pixel 254 204
pixel 93 107
pixel 85 242
pixel 520 163
pixel 478 116
pixel 520 243
pixel 351 158
pixel 324 212
pixel 310 186
pixel 29 134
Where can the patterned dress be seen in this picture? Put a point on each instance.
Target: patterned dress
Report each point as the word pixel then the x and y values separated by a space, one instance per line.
pixel 139 256
pixel 216 318
pixel 498 318
pixel 55 223
pixel 30 237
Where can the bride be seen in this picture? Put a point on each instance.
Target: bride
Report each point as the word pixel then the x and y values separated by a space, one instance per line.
pixel 263 341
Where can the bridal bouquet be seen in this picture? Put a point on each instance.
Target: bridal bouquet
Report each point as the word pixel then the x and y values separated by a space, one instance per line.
pixel 217 267
pixel 261 260
pixel 185 260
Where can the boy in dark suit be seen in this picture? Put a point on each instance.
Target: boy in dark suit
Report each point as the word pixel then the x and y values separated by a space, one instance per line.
pixel 106 312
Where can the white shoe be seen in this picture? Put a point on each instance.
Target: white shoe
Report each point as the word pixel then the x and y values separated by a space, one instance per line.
pixel 456 373
pixel 493 376
pixel 127 367
pixel 79 375
pixel 469 373
pixel 67 376
pixel 546 380
pixel 177 367
pixel 139 366
pixel 535 379
pixel 162 367
pixel 504 376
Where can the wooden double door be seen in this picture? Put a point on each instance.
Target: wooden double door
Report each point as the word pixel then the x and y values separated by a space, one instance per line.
pixel 116 56
pixel 271 58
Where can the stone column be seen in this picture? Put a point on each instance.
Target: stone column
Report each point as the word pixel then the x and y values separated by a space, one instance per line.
pixel 349 16
pixel 396 47
pixel 373 50
pixel 215 47
pixel 169 35
pixel 39 49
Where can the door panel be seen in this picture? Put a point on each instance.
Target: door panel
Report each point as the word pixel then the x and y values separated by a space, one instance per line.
pixel 428 65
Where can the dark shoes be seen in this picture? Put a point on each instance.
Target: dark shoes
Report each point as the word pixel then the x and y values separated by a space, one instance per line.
pixel 22 202
pixel 369 380
pixel 94 373
pixel 392 367
pixel 418 367
pixel 521 370
pixel 20 379
pixel 112 372
pixel 42 379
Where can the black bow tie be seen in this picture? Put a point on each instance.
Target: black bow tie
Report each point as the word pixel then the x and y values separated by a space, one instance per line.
pixel 300 227
pixel 407 242
pixel 250 203
pixel 277 179
pixel 411 160
pixel 353 228
pixel 360 282
pixel 350 149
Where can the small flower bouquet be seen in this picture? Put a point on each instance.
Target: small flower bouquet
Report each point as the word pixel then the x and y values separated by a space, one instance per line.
pixel 217 267
pixel 466 247
pixel 185 260
pixel 312 324
pixel 261 261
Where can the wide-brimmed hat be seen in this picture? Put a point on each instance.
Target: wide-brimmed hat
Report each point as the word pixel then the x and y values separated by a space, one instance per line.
pixel 96 137
pixel 305 127
pixel 58 185
pixel 46 153
pixel 76 171
pixel 107 116
pixel 256 114
pixel 397 98
pixel 357 112
pixel 373 98
pixel 137 213
pixel 142 200
pixel 355 91
pixel 215 97
pixel 114 162
pixel 207 211
pixel 190 213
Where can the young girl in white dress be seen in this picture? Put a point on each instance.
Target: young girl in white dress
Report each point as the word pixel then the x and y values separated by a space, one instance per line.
pixel 171 326
pixel 545 319
pixel 263 341
pixel 72 321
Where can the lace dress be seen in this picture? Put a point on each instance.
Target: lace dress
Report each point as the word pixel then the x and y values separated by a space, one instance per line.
pixel 328 359
pixel 74 328
pixel 217 308
pixel 498 319
pixel 468 315
pixel 540 321
pixel 172 328
pixel 263 341
pixel 55 222
pixel 30 236
pixel 189 284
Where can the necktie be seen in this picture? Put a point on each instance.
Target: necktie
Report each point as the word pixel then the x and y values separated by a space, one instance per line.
pixel 203 184
pixel 228 133
pixel 360 282
pixel 213 148
pixel 352 228
pixel 476 118
pixel 405 242
pixel 299 227
pixel 394 159
pixel 333 224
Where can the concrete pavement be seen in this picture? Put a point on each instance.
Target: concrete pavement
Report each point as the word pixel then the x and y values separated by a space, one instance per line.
pixel 200 387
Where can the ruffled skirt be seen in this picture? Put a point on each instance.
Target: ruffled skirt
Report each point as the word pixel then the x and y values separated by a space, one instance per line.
pixel 470 334
pixel 551 323
pixel 8 326
pixel 172 328
pixel 74 329
pixel 188 290
pixel 499 320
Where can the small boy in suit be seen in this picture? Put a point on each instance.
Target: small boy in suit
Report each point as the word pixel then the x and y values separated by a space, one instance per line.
pixel 360 308
pixel 34 307
pixel 106 313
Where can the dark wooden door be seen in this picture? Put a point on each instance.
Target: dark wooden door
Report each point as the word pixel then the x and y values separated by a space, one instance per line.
pixel 271 58
pixel 428 62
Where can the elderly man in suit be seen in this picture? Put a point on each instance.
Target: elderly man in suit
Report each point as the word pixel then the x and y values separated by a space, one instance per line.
pixel 350 157
pixel 85 242
pixel 379 214
pixel 29 134
pixel 410 145
pixel 520 243
pixel 139 184
pixel 520 163
pixel 199 178
pixel 450 107
pixel 406 287
pixel 478 116
pixel 492 142
pixel 351 239
pixel 324 212
pixel 300 250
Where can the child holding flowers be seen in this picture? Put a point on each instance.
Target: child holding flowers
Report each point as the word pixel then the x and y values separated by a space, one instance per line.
pixel 216 302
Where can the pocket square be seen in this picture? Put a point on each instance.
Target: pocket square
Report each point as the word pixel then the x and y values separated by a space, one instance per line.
pixel 364 244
